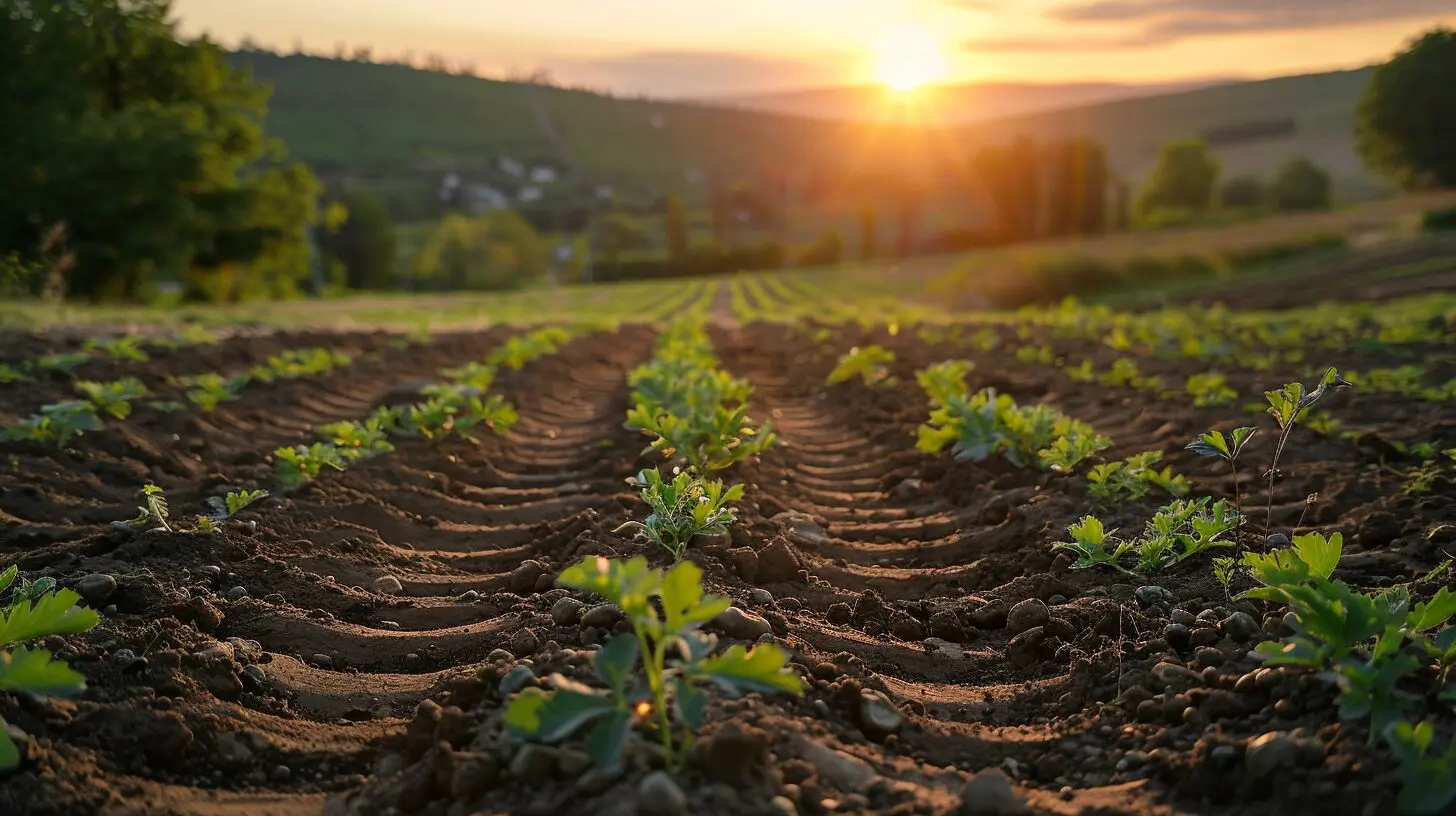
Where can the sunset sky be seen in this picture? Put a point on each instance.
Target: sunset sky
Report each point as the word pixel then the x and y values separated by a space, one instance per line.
pixel 708 47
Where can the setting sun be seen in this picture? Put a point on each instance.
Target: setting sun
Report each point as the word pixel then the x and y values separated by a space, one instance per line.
pixel 910 57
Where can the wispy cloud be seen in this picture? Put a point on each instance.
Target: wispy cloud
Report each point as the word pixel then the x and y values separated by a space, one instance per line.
pixel 687 73
pixel 1148 23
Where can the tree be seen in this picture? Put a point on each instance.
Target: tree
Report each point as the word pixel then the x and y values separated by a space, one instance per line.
pixel 1242 193
pixel 675 223
pixel 1010 177
pixel 1301 185
pixel 1407 114
pixel 149 149
pixel 620 232
pixel 365 242
pixel 868 231
pixel 1077 180
pixel 496 250
pixel 826 250
pixel 1183 179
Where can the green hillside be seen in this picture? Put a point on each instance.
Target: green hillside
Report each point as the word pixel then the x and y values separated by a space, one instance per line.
pixel 402 128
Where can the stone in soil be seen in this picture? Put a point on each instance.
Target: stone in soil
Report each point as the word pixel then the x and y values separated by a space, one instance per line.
pixel 1269 753
pixel 1026 615
pixel 388 584
pixel 778 562
pixel 878 717
pixel 566 611
pixel 602 616
pixel 659 795
pixel 989 793
pixel 741 625
pixel 95 589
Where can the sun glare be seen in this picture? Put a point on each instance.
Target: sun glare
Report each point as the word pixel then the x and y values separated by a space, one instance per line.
pixel 910 57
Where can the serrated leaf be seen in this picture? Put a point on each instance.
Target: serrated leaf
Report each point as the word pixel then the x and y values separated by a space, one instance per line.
pixel 683 601
pixel 759 669
pixel 35 672
pixel 628 584
pixel 8 577
pixel 55 614
pixel 1320 553
pixel 555 715
pixel 1428 615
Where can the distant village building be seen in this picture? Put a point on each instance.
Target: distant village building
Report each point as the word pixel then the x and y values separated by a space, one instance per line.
pixel 448 186
pixel 529 194
pixel 480 198
pixel 511 167
pixel 605 191
pixel 543 175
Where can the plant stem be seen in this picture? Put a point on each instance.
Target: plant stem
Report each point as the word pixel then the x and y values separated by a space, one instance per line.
pixel 1274 469
pixel 1239 506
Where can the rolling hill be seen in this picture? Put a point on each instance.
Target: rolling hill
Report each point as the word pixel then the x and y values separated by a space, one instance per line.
pixel 401 129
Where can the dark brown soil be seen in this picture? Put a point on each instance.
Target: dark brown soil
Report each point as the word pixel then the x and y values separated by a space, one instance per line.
pixel 317 693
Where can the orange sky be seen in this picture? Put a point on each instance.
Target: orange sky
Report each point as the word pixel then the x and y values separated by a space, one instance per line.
pixel 706 47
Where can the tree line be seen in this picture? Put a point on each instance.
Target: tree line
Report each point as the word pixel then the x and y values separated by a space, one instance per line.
pixel 134 158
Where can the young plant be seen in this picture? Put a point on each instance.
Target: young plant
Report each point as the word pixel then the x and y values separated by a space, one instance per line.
pixel 228 506
pixel 31 614
pixel 64 361
pixel 357 440
pixel 1226 447
pixel 153 509
pixel 303 463
pixel 1286 405
pixel 682 508
pixel 120 349
pixel 1225 569
pixel 978 426
pixel 1427 780
pixel 207 391
pixel 1210 389
pixel 12 374
pixel 114 398
pixel 870 364
pixel 1093 545
pixel 666 695
pixel 945 381
pixel 1133 478
pixel 57 423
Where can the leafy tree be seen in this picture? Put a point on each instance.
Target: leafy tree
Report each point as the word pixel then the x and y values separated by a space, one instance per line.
pixel 365 242
pixel 1077 188
pixel 1011 177
pixel 149 149
pixel 675 222
pixel 496 250
pixel 868 231
pixel 826 250
pixel 1242 193
pixel 620 232
pixel 1183 179
pixel 1301 185
pixel 1407 115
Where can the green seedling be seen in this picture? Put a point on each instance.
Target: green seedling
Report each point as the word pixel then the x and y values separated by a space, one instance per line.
pixel 294 363
pixel 153 509
pixel 228 506
pixel 685 507
pixel 471 375
pixel 303 463
pixel 516 352
pixel 1133 478
pixel 1093 545
pixel 207 391
pixel 945 380
pixel 357 441
pixel 31 613
pixel 57 423
pixel 457 414
pixel 987 423
pixel 1209 390
pixel 120 349
pixel 12 374
pixel 1286 405
pixel 113 398
pixel 61 362
pixel 1036 355
pixel 870 363
pixel 1226 447
pixel 1427 780
pixel 666 611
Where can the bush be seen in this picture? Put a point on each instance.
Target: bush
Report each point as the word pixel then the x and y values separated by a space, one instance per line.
pixel 497 250
pixel 1242 193
pixel 364 243
pixel 1183 179
pixel 1439 220
pixel 1300 185
pixel 1407 115
pixel 825 251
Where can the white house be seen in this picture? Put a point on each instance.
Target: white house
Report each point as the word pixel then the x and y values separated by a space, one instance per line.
pixel 543 175
pixel 511 166
pixel 479 198
pixel 529 194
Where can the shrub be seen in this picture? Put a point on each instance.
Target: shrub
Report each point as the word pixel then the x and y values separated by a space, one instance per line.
pixel 1439 220
pixel 1242 193
pixel 1301 185
pixel 826 250
pixel 1183 179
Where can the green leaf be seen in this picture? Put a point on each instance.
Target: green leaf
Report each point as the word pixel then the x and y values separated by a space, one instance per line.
pixel 759 669
pixel 33 671
pixel 9 751
pixel 1211 443
pixel 690 703
pixel 55 614
pixel 683 601
pixel 1320 553
pixel 628 584
pixel 8 577
pixel 553 716
pixel 614 662
pixel 604 742
pixel 1428 615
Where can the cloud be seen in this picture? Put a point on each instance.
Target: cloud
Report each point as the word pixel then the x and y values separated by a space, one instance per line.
pixel 1149 23
pixel 696 74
